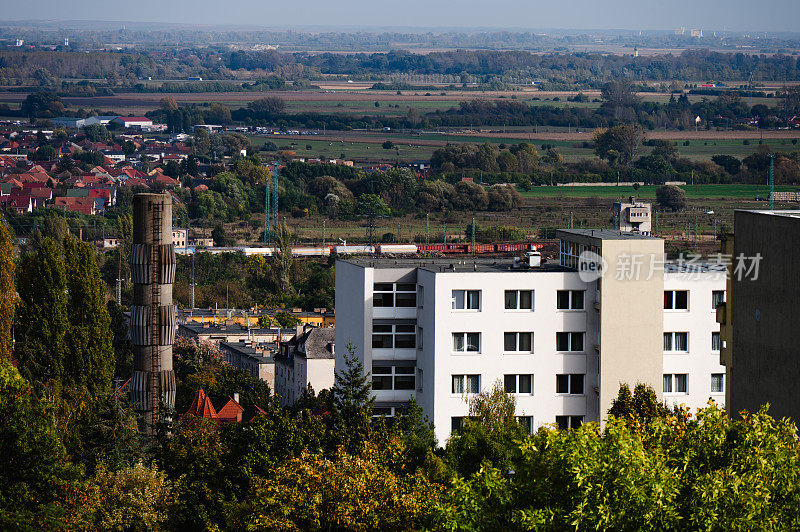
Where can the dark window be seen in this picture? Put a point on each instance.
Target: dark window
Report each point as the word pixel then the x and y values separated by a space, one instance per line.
pixel 510 383
pixel 383 300
pixel 562 341
pixel 562 300
pixel 456 423
pixel 525 383
pixel 510 341
pixel 406 300
pixel 526 299
pixel 382 287
pixel 511 299
pixel 576 384
pixel 562 383
pixel 577 299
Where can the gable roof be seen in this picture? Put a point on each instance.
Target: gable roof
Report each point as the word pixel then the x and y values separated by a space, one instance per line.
pixel 201 406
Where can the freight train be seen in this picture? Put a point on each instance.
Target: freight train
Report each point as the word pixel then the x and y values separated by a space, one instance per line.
pixel 380 249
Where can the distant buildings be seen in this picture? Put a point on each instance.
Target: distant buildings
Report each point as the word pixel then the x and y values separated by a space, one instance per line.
pixel 632 216
pixel 306 359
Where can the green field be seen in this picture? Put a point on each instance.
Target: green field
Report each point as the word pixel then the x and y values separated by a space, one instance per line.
pixel 741 192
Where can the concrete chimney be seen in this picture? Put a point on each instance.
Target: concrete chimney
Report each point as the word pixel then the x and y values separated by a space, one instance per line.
pixel 153 321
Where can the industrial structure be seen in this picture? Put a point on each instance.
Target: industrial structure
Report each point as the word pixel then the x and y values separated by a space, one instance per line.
pixel 557 338
pixel 152 322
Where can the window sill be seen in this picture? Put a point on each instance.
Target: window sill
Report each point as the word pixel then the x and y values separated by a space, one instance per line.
pixel 517 353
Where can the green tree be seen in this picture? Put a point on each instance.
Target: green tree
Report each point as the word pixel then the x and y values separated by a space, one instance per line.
pixel 639 409
pixel 671 197
pixel 282 259
pixel 620 142
pixel 37 481
pixel 8 295
pixel 96 133
pixel 89 340
pixel 43 317
pixel 352 397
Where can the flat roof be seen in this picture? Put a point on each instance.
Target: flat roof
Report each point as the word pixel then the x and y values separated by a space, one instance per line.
pixel 208 328
pixel 788 213
pixel 454 264
pixel 607 234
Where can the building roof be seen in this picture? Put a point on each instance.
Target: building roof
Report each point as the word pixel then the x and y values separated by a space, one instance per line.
pixel 454 265
pixel 317 342
pixel 606 234
pixel 201 406
pixel 775 212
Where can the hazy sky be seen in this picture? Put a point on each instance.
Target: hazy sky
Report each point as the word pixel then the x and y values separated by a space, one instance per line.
pixel 736 15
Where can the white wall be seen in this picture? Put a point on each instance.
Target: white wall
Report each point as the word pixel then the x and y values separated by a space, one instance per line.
pixel 699 321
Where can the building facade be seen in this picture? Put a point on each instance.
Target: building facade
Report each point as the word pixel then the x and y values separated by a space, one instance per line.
pixel 557 338
pixel 760 337
pixel 306 359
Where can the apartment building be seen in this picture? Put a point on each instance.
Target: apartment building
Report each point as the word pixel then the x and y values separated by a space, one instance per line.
pixel 557 337
pixel 306 359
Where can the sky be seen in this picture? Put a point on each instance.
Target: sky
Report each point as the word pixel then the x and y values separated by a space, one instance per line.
pixel 710 15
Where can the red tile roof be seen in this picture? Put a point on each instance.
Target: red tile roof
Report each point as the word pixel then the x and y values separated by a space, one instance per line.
pixel 201 406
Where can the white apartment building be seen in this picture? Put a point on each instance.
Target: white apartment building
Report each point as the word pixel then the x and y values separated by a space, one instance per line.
pixel 440 330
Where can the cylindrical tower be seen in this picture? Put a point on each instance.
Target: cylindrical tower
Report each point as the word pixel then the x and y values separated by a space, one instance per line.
pixel 152 324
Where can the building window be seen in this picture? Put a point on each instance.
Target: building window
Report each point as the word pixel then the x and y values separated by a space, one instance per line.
pixel 569 422
pixel 383 411
pixel 420 296
pixel 569 299
pixel 398 336
pixel 467 342
pixel 569 341
pixel 518 342
pixel 570 384
pixel 717 297
pixel 717 383
pixel 456 423
pixel 394 295
pixel 389 377
pixel 675 383
pixel 519 299
pixel 419 379
pixel 521 384
pixel 466 300
pixel 466 384
pixel 715 341
pixel 676 299
pixel 526 422
pixel 676 342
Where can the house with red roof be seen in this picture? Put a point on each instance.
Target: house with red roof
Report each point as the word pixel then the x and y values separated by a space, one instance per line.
pixel 231 411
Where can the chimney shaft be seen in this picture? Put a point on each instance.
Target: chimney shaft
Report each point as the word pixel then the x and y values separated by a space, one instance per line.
pixel 153 321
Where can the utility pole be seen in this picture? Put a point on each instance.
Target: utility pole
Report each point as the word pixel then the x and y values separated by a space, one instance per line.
pixel 473 234
pixel 427 228
pixel 771 181
pixel 323 233
pixel 266 208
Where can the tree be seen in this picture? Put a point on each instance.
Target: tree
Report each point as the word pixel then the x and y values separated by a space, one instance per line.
pixel 137 494
pixel 503 198
pixel 312 492
pixel 286 320
pixel 168 103
pixel 620 94
pixel 38 104
pixel 620 142
pixel 352 397
pixel 267 106
pixel 671 197
pixel 387 145
pixel 37 481
pixel 8 295
pixel 97 133
pixel 43 317
pixel 730 164
pixel 90 355
pixel 220 236
pixel 282 259
pixel 639 409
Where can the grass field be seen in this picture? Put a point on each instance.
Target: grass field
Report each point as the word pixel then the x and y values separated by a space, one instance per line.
pixel 733 192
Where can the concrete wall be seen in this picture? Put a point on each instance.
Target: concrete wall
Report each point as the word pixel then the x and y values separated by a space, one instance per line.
pixel 353 323
pixel 631 320
pixel 766 336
